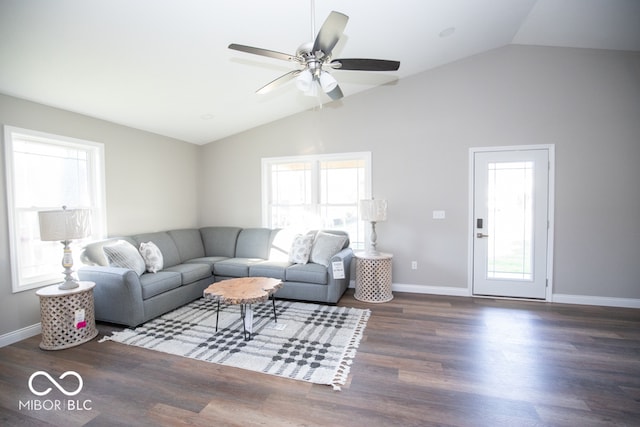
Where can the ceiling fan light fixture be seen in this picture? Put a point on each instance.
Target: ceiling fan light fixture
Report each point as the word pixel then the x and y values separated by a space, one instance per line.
pixel 304 81
pixel 313 89
pixel 327 82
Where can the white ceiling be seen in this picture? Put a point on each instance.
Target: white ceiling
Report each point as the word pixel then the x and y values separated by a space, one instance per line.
pixel 163 65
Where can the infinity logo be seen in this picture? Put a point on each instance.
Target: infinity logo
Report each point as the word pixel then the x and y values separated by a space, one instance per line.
pixel 55 383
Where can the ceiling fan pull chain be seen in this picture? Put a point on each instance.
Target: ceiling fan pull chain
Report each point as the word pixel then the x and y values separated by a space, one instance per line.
pixel 313 20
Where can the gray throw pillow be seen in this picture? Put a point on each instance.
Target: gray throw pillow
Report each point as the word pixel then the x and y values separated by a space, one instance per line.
pixel 123 254
pixel 325 247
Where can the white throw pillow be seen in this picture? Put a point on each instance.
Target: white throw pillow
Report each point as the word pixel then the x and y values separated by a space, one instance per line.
pixel 301 249
pixel 325 247
pixel 123 254
pixel 152 257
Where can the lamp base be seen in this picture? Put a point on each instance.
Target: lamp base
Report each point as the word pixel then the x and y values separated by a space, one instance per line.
pixel 371 250
pixel 69 284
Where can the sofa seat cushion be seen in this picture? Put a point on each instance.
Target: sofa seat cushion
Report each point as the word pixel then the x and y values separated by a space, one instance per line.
pixel 210 260
pixel 307 273
pixel 273 269
pixel 156 283
pixel 191 272
pixel 235 267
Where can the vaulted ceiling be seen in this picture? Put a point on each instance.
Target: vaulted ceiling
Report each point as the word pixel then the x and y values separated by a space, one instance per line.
pixel 163 65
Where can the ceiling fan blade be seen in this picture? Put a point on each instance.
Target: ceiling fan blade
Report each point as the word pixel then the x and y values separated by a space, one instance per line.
pixel 365 64
pixel 335 94
pixel 278 82
pixel 264 52
pixel 330 32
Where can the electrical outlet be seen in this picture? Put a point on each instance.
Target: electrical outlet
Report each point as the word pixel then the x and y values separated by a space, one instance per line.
pixel 439 215
pixel 414 265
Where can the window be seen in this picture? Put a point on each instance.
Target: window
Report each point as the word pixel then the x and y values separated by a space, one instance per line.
pixel 316 192
pixel 46 172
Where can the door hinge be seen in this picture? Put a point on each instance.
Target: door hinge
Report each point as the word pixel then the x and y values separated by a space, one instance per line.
pixel 546 281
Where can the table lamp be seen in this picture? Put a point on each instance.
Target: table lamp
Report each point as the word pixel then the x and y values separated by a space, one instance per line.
pixel 374 210
pixel 63 226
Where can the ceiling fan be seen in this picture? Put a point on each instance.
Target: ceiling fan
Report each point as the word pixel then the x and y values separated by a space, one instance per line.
pixel 315 57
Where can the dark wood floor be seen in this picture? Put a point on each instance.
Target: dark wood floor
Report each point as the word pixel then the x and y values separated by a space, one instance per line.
pixel 424 360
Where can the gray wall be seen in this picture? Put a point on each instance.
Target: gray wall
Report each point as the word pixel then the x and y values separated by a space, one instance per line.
pixel 151 185
pixel 419 131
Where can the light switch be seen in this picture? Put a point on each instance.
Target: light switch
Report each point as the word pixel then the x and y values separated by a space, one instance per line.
pixel 438 214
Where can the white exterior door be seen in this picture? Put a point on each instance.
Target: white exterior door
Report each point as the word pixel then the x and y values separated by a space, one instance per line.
pixel 511 223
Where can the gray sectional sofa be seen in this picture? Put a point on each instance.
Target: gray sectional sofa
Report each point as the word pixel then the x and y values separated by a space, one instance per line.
pixel 194 258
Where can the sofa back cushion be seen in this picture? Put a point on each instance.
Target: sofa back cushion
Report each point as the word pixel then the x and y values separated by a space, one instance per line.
pixel 220 241
pixel 165 243
pixel 253 243
pixel 339 233
pixel 189 243
pixel 325 246
pixel 281 241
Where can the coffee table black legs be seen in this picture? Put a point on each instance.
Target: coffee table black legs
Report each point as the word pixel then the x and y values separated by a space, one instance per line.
pixel 246 314
pixel 217 315
pixel 275 316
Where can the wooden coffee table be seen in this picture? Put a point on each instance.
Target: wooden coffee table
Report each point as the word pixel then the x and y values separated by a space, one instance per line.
pixel 244 291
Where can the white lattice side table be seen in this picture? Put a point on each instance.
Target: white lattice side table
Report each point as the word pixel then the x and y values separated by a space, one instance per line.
pixel 373 277
pixel 67 316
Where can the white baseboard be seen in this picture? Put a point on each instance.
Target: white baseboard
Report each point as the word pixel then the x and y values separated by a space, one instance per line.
pixel 592 300
pixel 425 289
pixel 434 290
pixel 20 334
pixel 555 298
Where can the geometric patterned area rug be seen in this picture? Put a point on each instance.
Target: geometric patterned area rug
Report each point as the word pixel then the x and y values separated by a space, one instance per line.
pixel 309 342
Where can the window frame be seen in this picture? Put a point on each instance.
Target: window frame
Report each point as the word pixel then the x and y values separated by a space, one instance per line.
pixel 97 191
pixel 357 242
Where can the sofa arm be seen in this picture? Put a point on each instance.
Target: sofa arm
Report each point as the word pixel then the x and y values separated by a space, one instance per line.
pixel 337 287
pixel 117 294
pixel 345 257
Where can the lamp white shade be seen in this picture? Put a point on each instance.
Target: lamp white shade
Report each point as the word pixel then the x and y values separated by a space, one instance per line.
pixel 373 210
pixel 65 224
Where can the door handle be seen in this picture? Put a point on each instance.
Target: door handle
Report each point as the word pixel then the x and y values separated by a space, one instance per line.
pixel 480 235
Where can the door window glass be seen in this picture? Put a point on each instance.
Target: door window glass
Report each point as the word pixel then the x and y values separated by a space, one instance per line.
pixel 510 203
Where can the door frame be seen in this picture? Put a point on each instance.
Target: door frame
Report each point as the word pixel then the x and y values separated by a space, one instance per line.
pixel 551 213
